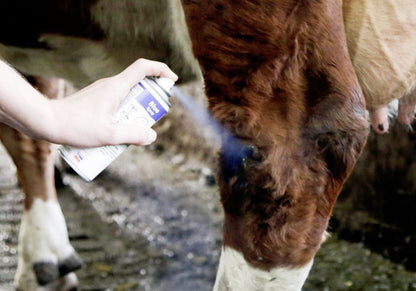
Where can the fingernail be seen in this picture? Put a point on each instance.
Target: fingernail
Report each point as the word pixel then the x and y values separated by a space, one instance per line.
pixel 151 136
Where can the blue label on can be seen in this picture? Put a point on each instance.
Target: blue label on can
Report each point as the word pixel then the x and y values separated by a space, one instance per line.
pixel 150 104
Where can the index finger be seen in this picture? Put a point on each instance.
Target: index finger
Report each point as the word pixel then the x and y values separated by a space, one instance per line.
pixel 142 68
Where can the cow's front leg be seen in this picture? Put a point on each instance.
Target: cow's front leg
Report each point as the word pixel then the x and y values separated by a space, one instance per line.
pixel 44 251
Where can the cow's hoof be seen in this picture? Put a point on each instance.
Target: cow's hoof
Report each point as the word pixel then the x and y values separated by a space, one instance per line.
pixel 29 282
pixel 70 264
pixel 45 254
pixel 47 272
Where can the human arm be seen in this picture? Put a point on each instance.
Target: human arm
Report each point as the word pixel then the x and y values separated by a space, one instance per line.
pixel 85 118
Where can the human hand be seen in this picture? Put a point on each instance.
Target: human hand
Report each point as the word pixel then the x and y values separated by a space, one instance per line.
pixel 86 118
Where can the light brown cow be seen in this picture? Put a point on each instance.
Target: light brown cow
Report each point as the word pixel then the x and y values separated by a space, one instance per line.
pixel 381 38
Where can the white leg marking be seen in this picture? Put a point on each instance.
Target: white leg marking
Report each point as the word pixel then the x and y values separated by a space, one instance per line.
pixel 43 237
pixel 235 274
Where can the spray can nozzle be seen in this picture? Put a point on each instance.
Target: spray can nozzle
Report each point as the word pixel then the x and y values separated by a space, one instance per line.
pixel 165 84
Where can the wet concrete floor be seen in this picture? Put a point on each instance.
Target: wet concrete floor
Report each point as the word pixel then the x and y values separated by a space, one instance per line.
pixel 154 223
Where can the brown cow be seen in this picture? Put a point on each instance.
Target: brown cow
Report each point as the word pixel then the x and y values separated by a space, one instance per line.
pixel 278 76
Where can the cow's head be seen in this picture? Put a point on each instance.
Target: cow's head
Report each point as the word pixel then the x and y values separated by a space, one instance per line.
pixel 278 76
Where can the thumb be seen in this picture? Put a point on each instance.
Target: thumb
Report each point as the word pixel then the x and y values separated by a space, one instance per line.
pixel 134 134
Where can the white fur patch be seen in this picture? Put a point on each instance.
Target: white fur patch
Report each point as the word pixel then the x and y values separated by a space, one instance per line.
pixel 235 274
pixel 43 237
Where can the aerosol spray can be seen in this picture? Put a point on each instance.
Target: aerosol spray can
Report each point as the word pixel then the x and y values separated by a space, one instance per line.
pixel 145 104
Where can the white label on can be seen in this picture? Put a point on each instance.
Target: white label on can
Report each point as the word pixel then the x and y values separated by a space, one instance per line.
pixel 140 107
